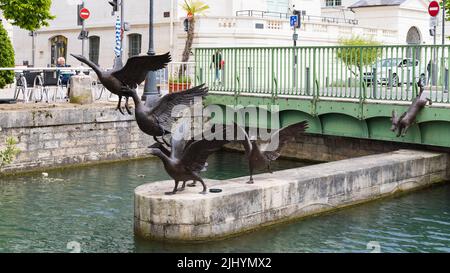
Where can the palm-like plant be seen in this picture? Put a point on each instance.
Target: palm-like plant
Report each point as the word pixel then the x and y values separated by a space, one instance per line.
pixel 192 8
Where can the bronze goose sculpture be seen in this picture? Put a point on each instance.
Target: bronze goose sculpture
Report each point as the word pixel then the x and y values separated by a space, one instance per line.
pixel 261 157
pixel 131 75
pixel 186 164
pixel 168 153
pixel 157 121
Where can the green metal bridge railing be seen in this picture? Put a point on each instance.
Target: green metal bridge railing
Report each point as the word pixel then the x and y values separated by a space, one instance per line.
pixel 387 73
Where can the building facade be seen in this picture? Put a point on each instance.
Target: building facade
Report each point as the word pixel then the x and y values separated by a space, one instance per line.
pixel 227 23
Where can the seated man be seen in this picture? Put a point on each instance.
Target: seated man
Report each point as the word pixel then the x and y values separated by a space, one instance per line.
pixel 64 75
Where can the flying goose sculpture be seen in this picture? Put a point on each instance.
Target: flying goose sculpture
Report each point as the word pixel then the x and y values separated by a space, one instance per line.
pixel 131 75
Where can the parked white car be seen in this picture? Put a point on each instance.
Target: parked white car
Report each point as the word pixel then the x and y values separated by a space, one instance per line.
pixel 401 71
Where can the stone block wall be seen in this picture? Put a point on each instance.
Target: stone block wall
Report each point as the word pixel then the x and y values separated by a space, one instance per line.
pixel 325 148
pixel 57 137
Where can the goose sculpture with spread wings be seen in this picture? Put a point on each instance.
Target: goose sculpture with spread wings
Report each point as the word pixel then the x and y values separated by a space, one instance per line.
pixel 261 156
pixel 188 158
pixel 168 153
pixel 157 120
pixel 131 75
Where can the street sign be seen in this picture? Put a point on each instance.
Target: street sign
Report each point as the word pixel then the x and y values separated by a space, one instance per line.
pixel 85 13
pixel 84 35
pixel 433 8
pixel 433 22
pixel 294 20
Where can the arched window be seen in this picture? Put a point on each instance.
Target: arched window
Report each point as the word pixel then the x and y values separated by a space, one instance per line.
pixel 94 49
pixel 413 37
pixel 58 48
pixel 134 44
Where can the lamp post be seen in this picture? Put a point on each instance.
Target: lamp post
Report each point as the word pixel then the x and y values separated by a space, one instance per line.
pixel 33 47
pixel 151 94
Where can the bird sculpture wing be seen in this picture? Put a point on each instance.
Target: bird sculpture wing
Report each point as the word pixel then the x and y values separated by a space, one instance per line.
pixel 282 137
pixel 137 68
pixel 243 138
pixel 166 110
pixel 197 152
pixel 181 137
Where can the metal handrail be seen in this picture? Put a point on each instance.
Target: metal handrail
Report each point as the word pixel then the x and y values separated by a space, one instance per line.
pixel 281 15
pixel 351 72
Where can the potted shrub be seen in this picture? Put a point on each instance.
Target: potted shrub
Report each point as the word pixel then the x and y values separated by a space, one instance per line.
pixel 177 84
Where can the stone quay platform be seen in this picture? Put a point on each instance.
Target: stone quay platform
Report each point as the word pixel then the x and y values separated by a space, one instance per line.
pixel 281 196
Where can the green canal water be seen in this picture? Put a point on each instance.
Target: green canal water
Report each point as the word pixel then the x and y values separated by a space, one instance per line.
pixel 93 206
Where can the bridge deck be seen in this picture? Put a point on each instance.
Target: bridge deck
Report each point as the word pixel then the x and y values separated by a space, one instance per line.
pixel 345 91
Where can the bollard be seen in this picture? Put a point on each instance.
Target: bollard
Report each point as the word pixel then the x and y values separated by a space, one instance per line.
pixel 374 82
pixel 390 78
pixel 249 79
pixel 308 82
pixel 81 89
pixel 446 81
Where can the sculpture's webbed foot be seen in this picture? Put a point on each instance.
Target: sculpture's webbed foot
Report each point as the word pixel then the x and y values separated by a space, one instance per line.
pixel 120 110
pixel 192 185
pixel 183 187
pixel 251 181
pixel 205 189
pixel 170 193
pixel 127 107
pixel 166 141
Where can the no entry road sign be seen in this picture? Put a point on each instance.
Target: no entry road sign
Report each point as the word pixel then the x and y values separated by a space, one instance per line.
pixel 85 13
pixel 433 8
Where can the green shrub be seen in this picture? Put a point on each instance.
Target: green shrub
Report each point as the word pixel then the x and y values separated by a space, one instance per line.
pixel 6 57
pixel 358 52
pixel 178 80
pixel 8 155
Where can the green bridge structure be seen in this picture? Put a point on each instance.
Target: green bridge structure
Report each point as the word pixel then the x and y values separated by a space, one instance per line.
pixel 342 91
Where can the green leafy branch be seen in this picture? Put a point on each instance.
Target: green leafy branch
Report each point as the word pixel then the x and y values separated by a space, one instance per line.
pixel 8 154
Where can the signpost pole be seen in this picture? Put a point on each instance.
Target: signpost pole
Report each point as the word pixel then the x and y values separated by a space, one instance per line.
pixel 83 40
pixel 443 22
pixel 433 11
pixel 295 23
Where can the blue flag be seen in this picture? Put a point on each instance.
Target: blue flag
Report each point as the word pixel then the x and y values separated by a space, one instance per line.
pixel 118 47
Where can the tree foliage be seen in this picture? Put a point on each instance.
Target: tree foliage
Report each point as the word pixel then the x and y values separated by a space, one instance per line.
pixel 27 14
pixel 192 8
pixel 358 52
pixel 6 58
